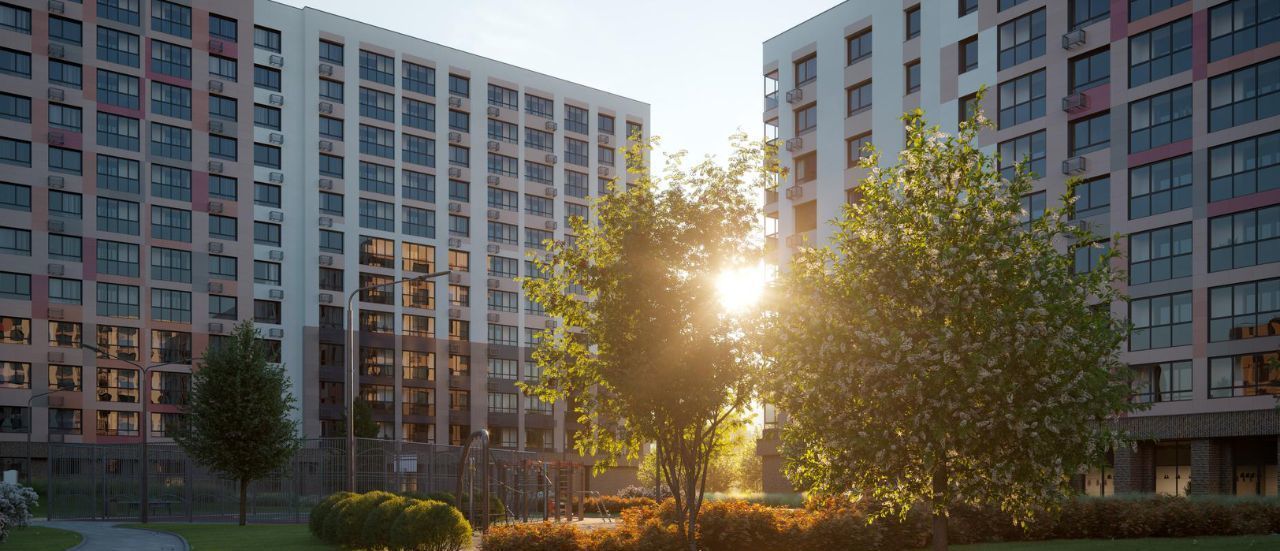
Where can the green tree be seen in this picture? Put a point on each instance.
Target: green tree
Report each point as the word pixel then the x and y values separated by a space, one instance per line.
pixel 645 353
pixel 942 350
pixel 238 418
pixel 366 427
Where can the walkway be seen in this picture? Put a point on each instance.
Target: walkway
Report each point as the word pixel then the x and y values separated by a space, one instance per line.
pixel 106 536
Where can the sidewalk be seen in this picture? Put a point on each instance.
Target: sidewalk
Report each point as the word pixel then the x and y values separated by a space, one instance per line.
pixel 106 537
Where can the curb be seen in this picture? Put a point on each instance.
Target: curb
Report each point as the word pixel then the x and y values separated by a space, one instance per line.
pixel 185 546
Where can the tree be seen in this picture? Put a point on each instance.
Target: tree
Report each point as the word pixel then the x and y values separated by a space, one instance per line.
pixel 238 420
pixel 942 350
pixel 366 427
pixel 644 351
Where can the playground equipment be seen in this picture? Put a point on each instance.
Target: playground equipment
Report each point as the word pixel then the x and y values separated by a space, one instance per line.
pixel 524 488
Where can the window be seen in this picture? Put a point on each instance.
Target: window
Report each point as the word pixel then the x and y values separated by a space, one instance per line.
pixel 1139 9
pixel 1244 310
pixel 539 106
pixel 266 272
pixel 221 147
pixel 378 142
pixel 459 120
pixel 331 128
pixel 15 241
pixel 1244 95
pixel 331 90
pixel 170 141
pixel 575 119
pixel 266 78
pixel 806 119
pixel 168 305
pixel 968 54
pixel 1241 25
pixel 575 152
pixel 1090 134
pixel 537 239
pixel 118 301
pixel 1090 70
pixel 1160 187
pixel 858 46
pixel 806 70
pixel 65 160
pixel 1022 39
pixel 331 52
pixel 13 330
pixel 500 96
pixel 222 227
pixel 117 423
pixel 331 241
pixel 170 101
pixel 806 167
pixel 374 177
pixel 14 62
pixel 222 267
pixel 267 39
pixel 605 124
pixel 64 247
pixel 222 187
pixel 858 97
pixel 266 233
pixel 503 334
pixel 1244 375
pixel 120 174
pixel 266 311
pixel 1160 322
pixel 1244 167
pixel 418 258
pixel 912 71
pixel 116 258
pixel 575 184
pixel 170 224
pixel 459 226
pixel 574 210
pixel 539 206
pixel 119 132
pixel 15 18
pixel 222 27
pixel 175 61
pixel 1243 239
pixel 65 377
pixel 331 279
pixel 1160 120
pixel 459 191
pixel 118 385
pixel 967 7
pixel 330 165
pixel 18 108
pixel 459 86
pixel 419 78
pixel 857 146
pixel 118 89
pixel 968 107
pixel 419 114
pixel 537 139
pixel 503 131
pixel 459 261
pixel 501 266
pixel 66 30
pixel 459 156
pixel 503 233
pixel 1162 382
pixel 1160 254
pixel 422 151
pixel 418 186
pixel 377 252
pixel 16 152
pixel 264 155
pixel 1087 12
pixel 117 216
pixel 222 107
pixel 377 215
pixel 266 117
pixel 913 22
pixel 1022 99
pixel 503 199
pixel 1089 256
pixel 1093 198
pixel 117 47
pixel 1029 149
pixel 418 326
pixel 1033 206
pixel 419 294
pixel 503 301
pixel 377 68
pixel 60 72
pixel 1160 52
pixel 419 222
pixel 170 265
pixel 62 203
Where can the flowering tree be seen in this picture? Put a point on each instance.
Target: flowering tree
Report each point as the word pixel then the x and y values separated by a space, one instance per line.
pixel 645 352
pixel 943 350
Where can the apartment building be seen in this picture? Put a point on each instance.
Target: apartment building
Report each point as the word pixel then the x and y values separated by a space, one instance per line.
pixel 172 167
pixel 1165 110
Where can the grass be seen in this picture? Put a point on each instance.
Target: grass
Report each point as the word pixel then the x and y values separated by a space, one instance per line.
pixel 275 537
pixel 1215 543
pixel 40 538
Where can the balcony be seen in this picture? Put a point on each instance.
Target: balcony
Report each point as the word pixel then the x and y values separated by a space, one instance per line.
pixel 771 101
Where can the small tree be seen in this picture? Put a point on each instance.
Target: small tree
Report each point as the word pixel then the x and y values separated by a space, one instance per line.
pixel 645 351
pixel 944 350
pixel 238 416
pixel 366 427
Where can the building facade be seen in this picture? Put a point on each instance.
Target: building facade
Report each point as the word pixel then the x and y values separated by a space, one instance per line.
pixel 172 167
pixel 1166 113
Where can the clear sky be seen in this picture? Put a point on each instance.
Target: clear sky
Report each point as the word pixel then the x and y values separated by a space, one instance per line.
pixel 696 62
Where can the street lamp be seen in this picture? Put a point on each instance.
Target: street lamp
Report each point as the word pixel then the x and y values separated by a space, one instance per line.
pixel 145 398
pixel 31 425
pixel 352 377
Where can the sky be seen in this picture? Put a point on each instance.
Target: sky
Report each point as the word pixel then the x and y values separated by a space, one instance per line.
pixel 696 62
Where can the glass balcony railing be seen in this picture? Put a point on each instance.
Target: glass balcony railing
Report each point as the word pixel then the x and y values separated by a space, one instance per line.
pixel 771 101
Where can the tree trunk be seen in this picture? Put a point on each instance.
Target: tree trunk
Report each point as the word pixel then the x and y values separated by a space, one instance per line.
pixel 244 499
pixel 939 508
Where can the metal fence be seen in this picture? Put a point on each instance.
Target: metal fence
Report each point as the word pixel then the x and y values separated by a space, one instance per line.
pixel 103 481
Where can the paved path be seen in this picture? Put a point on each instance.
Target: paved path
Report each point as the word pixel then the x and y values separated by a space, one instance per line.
pixel 106 536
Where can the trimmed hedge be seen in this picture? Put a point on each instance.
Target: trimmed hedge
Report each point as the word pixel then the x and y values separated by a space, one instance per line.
pixel 616 504
pixel 836 525
pixel 321 510
pixel 382 520
pixel 349 521
pixel 430 525
pixel 376 533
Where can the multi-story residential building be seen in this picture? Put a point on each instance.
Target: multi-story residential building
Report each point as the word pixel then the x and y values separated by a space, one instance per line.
pixel 190 167
pixel 1166 113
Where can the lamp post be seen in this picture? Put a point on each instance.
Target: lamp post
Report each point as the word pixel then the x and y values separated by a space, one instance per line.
pixel 145 398
pixel 353 378
pixel 31 425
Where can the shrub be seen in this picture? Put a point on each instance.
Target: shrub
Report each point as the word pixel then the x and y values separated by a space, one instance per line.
pixel 616 504
pixel 430 526
pixel 16 503
pixel 345 525
pixel 315 522
pixel 376 533
pixel 539 536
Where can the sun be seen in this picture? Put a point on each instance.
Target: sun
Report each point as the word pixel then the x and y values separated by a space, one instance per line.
pixel 740 288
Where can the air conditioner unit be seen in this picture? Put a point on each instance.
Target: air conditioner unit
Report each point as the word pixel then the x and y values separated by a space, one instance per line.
pixel 215 85
pixel 493 248
pixel 56 6
pixel 795 95
pixel 215 287
pixel 455 313
pixel 326 107
pixel 550 324
pixel 494 111
pixel 794 144
pixel 215 126
pixel 56 50
pixel 455 172
pixel 550 125
pixel 455 242
pixel 276 60
pixel 492 214
pixel 1081 224
pixel 492 145
pixel 326 183
pixel 276 99
pixel 1071 39
pixel 276 138
pixel 54 269
pixel 493 179
pixel 215 327
pixel 326 298
pixel 326 222
pixel 276 294
pixel 604 139
pixel 326 145
pixel 326 69
pixel 56 182
pixel 276 255
pixel 455 207
pixel 276 333
pixel 455 277
pixel 549 224
pixel 276 216
pixel 326 260
pixel 494 283
pixel 215 167
pixel 604 171
pixel 56 225
pixel 492 317
pixel 550 159
pixel 56 94
pixel 455 137
pixel 55 356
pixel 795 192
pixel 550 192
pixel 1074 102
pixel 215 247
pixel 455 101
pixel 215 207
pixel 54 313
pixel 1074 165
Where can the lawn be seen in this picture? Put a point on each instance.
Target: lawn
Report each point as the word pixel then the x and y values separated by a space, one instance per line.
pixel 275 537
pixel 40 538
pixel 1223 543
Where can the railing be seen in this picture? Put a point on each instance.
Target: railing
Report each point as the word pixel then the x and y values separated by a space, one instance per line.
pixel 771 101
